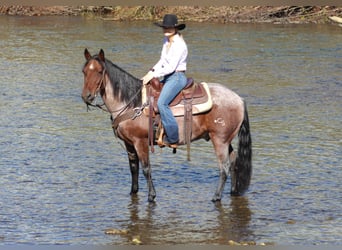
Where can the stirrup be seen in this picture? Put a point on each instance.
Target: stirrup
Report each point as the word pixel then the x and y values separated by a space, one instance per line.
pixel 170 145
pixel 162 143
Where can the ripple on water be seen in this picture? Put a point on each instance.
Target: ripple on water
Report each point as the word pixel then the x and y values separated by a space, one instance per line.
pixel 65 178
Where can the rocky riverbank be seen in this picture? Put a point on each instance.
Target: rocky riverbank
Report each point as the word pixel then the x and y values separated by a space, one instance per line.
pixel 222 14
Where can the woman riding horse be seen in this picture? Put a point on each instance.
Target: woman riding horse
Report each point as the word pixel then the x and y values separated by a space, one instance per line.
pixel 121 93
pixel 171 66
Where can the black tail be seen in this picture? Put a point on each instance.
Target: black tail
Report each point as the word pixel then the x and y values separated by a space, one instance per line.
pixel 241 170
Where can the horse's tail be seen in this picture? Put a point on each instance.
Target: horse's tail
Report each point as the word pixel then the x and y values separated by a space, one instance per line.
pixel 241 169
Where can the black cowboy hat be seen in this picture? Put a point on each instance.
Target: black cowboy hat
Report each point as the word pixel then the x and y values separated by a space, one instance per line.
pixel 171 21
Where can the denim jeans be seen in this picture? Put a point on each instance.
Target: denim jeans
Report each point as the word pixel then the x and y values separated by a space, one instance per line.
pixel 173 84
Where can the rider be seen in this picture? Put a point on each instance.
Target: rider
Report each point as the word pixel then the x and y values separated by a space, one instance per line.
pixel 171 66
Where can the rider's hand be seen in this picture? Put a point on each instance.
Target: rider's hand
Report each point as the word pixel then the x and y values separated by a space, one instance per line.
pixel 148 77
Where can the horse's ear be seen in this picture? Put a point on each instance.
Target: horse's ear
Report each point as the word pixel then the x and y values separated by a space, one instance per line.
pixel 101 55
pixel 87 54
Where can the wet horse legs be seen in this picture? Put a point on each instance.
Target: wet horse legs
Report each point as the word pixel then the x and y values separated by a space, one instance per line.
pixel 222 181
pixel 134 167
pixel 147 173
pixel 146 168
pixel 225 163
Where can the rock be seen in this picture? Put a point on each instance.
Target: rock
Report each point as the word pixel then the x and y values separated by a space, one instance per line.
pixel 336 19
pixel 116 231
pixel 136 240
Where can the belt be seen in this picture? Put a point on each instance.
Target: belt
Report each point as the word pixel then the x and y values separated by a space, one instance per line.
pixel 176 71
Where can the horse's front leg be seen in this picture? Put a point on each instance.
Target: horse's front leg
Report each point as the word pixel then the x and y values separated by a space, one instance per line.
pixel 134 167
pixel 142 149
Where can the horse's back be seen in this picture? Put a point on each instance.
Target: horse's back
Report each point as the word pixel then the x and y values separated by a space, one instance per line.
pixel 223 96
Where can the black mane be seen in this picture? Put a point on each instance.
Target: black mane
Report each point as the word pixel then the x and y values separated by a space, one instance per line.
pixel 125 86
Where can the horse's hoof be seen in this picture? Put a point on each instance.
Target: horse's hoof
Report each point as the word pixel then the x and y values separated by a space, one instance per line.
pixel 134 191
pixel 151 198
pixel 235 193
pixel 216 198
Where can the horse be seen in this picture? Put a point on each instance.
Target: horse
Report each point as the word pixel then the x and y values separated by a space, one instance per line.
pixel 121 94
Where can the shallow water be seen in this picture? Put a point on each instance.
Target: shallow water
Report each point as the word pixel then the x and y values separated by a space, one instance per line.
pixel 65 178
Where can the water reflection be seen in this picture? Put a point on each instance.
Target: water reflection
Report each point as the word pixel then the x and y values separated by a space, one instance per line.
pixel 141 223
pixel 144 224
pixel 233 222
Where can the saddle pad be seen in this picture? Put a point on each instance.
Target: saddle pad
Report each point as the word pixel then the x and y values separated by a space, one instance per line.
pixel 178 110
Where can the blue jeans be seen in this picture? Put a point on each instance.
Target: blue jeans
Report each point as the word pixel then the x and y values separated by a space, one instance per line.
pixel 173 84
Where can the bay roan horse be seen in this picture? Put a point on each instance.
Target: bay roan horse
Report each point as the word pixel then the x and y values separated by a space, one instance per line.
pixel 228 117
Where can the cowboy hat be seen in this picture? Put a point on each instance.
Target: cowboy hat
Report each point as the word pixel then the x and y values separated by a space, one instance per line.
pixel 171 21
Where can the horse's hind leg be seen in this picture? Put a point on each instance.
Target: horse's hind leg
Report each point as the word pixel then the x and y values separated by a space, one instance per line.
pixel 222 151
pixel 147 173
pixel 232 167
pixel 222 181
pixel 134 167
pixel 232 156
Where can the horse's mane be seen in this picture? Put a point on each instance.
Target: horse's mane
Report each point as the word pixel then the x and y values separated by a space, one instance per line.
pixel 125 86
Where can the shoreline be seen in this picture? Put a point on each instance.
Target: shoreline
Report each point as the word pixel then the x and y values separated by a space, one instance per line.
pixel 221 14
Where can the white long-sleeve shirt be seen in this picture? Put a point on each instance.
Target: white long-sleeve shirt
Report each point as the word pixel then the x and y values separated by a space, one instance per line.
pixel 173 57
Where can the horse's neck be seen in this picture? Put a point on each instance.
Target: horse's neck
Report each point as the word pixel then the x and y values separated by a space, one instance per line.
pixel 114 105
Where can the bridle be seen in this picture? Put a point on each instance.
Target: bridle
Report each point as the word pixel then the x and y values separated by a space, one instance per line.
pixel 100 106
pixel 123 113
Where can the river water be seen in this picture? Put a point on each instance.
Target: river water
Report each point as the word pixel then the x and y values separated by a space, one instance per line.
pixel 65 178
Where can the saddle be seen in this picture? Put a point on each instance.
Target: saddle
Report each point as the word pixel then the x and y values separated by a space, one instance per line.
pixel 196 94
pixel 194 98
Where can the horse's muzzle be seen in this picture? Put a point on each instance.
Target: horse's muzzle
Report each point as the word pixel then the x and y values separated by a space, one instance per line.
pixel 88 98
